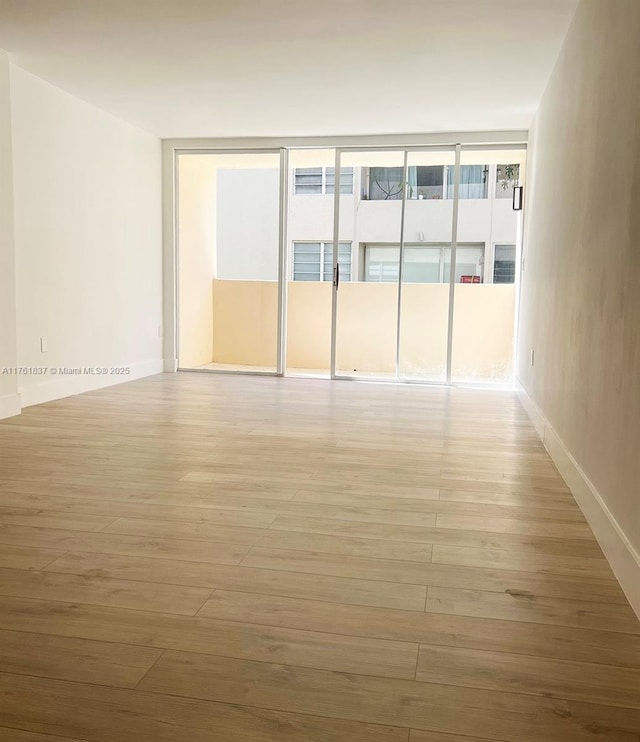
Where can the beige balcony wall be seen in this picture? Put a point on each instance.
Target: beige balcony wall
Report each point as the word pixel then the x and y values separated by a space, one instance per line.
pixel 244 334
pixel 366 328
pixel 309 325
pixel 483 329
pixel 423 329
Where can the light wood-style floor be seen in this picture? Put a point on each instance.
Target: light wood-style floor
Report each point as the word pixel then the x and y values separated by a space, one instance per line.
pixel 199 558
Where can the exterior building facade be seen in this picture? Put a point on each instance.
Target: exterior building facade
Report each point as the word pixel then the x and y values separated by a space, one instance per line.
pixel 370 224
pixel 370 203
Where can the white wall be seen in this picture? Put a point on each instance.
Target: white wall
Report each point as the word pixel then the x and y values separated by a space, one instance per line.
pixel 311 217
pixel 247 224
pixel 87 190
pixel 581 284
pixel 479 220
pixel 197 177
pixel 9 400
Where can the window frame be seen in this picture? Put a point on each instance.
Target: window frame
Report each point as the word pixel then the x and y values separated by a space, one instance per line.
pixel 442 247
pixel 446 186
pixel 323 244
pixel 450 177
pixel 515 263
pixel 324 181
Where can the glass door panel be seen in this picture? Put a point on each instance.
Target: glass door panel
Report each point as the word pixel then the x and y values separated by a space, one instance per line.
pixel 394 258
pixel 228 249
pixel 424 297
pixel 367 297
pixel 310 259
pixel 486 266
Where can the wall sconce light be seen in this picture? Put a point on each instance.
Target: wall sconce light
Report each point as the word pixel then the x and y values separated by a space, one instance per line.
pixel 517 198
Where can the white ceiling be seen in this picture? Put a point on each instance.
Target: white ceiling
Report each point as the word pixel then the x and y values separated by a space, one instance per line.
pixel 191 68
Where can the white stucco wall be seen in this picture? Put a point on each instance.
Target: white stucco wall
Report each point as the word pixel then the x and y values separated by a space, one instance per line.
pixel 580 287
pixel 247 222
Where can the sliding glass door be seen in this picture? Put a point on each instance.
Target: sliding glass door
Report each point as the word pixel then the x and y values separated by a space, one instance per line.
pixel 228 261
pixel 486 266
pixel 309 269
pixel 366 296
pixel 379 263
pixel 424 289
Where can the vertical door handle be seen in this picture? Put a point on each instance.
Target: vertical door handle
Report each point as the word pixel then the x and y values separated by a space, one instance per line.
pixel 336 276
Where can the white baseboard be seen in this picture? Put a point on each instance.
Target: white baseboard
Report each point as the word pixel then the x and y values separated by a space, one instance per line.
pixel 10 405
pixel 68 385
pixel 535 413
pixel 619 551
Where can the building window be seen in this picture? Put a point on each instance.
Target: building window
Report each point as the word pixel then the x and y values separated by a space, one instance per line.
pixel 313 261
pixel 308 180
pixel 384 183
pixel 426 182
pixel 321 180
pixel 346 180
pixel 504 264
pixel 473 181
pixel 429 182
pixel 507 177
pixel 423 263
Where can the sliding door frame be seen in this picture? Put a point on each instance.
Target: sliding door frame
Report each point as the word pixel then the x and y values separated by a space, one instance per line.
pixel 173 149
pixel 282 154
pixel 405 150
pixel 452 263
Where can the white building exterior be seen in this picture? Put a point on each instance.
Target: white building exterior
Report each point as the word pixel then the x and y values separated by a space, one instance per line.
pixel 247 215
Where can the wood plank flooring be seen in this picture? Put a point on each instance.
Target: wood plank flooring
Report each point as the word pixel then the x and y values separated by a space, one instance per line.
pixel 237 559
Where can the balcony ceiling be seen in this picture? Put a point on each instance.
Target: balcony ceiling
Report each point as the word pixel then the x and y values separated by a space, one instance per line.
pixel 192 68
